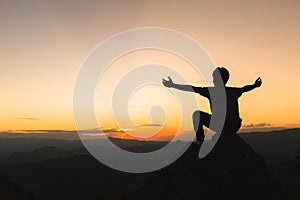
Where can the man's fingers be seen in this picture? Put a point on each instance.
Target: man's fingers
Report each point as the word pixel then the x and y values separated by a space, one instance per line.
pixel 166 81
pixel 258 81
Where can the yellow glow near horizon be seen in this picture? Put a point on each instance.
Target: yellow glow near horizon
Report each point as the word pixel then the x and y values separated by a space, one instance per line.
pixel 146 97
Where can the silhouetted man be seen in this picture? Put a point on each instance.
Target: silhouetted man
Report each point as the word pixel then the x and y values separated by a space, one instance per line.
pixel 232 120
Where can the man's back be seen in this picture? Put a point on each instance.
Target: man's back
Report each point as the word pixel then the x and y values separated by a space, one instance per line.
pixel 232 95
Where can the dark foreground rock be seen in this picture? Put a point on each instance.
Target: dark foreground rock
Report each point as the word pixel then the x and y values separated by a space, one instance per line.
pixel 232 170
pixel 9 190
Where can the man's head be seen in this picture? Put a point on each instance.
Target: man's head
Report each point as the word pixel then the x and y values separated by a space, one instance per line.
pixel 224 75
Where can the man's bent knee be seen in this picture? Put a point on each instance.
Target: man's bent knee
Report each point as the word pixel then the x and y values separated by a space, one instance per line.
pixel 196 114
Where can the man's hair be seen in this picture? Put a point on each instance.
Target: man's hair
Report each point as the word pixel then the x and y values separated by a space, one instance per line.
pixel 224 74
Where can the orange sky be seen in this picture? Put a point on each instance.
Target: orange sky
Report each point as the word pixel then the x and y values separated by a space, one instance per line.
pixel 43 44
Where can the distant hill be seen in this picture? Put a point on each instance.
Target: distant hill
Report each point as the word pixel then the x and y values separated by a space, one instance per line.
pixel 10 145
pixel 275 145
pixel 61 169
pixel 83 177
pixel 40 154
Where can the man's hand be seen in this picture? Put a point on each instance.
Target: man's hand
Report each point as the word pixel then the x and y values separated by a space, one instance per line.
pixel 168 83
pixel 258 82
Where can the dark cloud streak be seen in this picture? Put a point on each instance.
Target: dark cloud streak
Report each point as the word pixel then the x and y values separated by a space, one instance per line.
pixel 153 125
pixel 256 125
pixel 26 118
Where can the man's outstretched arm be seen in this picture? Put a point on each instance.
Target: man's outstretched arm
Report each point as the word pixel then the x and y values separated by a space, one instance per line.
pixel 248 88
pixel 169 83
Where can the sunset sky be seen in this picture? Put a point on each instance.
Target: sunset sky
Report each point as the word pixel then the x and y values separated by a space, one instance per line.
pixel 44 43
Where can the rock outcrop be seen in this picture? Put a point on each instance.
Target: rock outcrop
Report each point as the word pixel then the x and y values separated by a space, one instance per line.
pixel 232 170
pixel 9 190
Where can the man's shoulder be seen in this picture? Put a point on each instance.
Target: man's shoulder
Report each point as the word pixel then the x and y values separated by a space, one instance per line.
pixel 226 88
pixel 200 88
pixel 233 88
pixel 235 91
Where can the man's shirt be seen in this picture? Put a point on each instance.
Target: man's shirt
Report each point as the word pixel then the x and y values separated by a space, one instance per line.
pixel 232 95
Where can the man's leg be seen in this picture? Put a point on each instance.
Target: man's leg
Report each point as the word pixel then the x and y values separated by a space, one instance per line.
pixel 200 119
pixel 232 125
